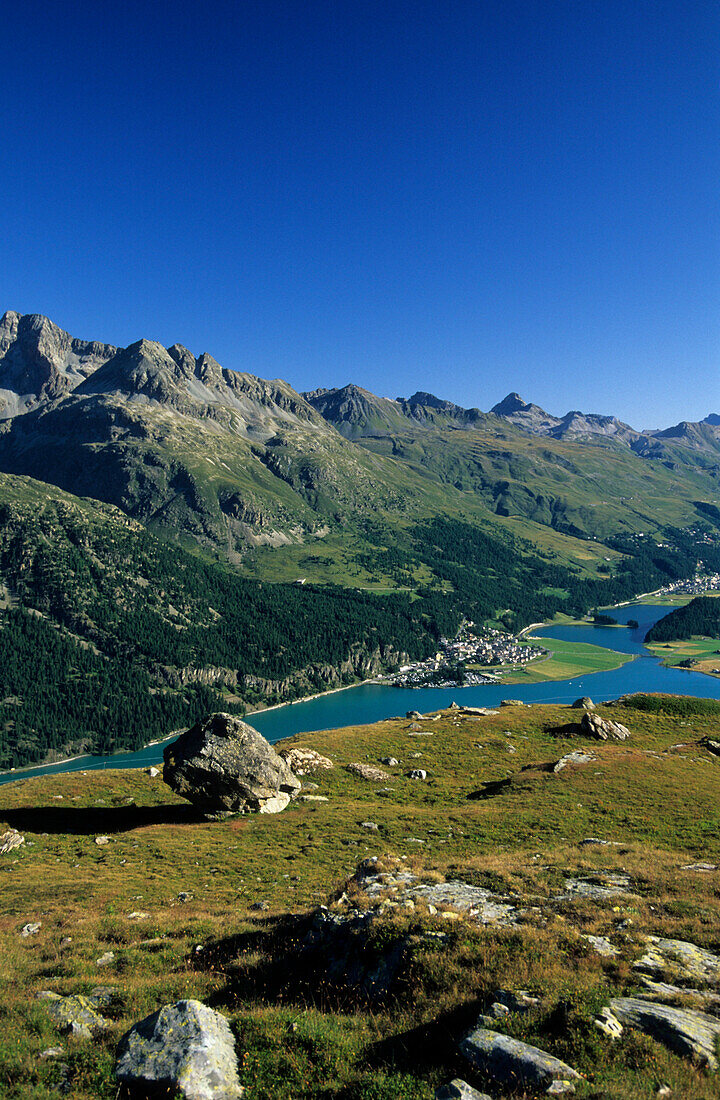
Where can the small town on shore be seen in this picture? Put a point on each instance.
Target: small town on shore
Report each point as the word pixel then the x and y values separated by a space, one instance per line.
pixel 487 648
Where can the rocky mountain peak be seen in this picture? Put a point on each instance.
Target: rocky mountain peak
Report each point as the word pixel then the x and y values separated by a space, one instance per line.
pixel 40 362
pixel 511 404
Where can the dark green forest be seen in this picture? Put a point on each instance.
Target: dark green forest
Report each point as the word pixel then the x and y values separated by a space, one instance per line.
pixel 701 616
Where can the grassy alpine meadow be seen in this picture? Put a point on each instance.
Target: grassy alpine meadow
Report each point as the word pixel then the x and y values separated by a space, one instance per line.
pixel 133 890
pixel 565 661
pixel 698 654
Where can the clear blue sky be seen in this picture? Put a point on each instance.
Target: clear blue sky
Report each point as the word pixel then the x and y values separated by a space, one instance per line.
pixel 461 197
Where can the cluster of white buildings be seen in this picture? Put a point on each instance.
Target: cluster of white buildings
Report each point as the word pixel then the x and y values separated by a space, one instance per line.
pixel 449 665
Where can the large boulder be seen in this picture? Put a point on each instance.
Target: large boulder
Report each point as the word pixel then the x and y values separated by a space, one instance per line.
pixel 222 765
pixel 184 1048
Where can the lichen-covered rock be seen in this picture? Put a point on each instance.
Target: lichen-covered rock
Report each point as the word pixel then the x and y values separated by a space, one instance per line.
pixel 185 1047
pixel 222 765
pixel 74 1015
pixel 686 1031
pixel 583 703
pixel 576 759
pixel 602 729
pixel 305 761
pixel 511 1062
pixel 369 772
pixel 459 1090
pixel 679 959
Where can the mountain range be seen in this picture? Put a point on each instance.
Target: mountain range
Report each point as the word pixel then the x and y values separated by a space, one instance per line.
pixel 232 462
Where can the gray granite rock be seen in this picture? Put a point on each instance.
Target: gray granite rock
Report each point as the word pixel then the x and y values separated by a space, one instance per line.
pixel 459 1090
pixel 74 1015
pixel 222 765
pixel 185 1047
pixel 510 1062
pixel 679 959
pixel 685 1031
pixel 602 729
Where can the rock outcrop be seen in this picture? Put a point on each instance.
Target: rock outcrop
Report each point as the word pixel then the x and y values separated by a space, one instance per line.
pixel 602 729
pixel 185 1048
pixel 512 1063
pixel 684 1030
pixel 305 761
pixel 74 1015
pixel 223 766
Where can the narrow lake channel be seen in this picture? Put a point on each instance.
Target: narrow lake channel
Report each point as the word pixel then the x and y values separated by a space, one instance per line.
pixel 373 702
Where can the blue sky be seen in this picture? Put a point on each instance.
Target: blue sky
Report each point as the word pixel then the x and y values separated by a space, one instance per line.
pixel 466 198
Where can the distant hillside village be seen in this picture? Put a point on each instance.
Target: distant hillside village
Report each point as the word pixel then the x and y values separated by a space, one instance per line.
pixel 453 663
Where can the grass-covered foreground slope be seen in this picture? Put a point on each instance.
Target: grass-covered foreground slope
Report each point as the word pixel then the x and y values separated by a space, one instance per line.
pixel 176 900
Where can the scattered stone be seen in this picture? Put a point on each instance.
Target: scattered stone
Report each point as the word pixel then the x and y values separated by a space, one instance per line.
pixel 511 1062
pixel 589 840
pixel 575 758
pixel 260 906
pixel 602 729
pixel 613 885
pixel 185 1047
pixel 305 761
pixel 369 772
pixel 664 1092
pixel 152 772
pixel 711 746
pixel 679 959
pixel 371 825
pixel 138 914
pixel 683 1030
pixel 51 1052
pixel 105 996
pixel 480 712
pixel 414 714
pixel 100 840
pixel 607 1022
pixel 417 773
pixel 511 703
pixel 222 765
pixel 10 840
pixel 31 929
pixel 584 703
pixel 314 798
pixel 516 1000
pixel 560 1088
pixel 603 946
pixel 185 896
pixel 459 1090
pixel 74 1015
pixel 106 959
pixel 700 867
pixel 390 761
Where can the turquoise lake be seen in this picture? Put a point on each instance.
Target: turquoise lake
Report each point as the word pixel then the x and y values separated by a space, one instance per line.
pixel 372 702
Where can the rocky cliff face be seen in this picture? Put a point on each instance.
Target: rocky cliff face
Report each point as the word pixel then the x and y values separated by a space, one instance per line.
pixel 360 664
pixel 40 362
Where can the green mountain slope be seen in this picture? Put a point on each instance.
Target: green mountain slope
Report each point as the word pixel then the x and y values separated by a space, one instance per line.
pixel 110 637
